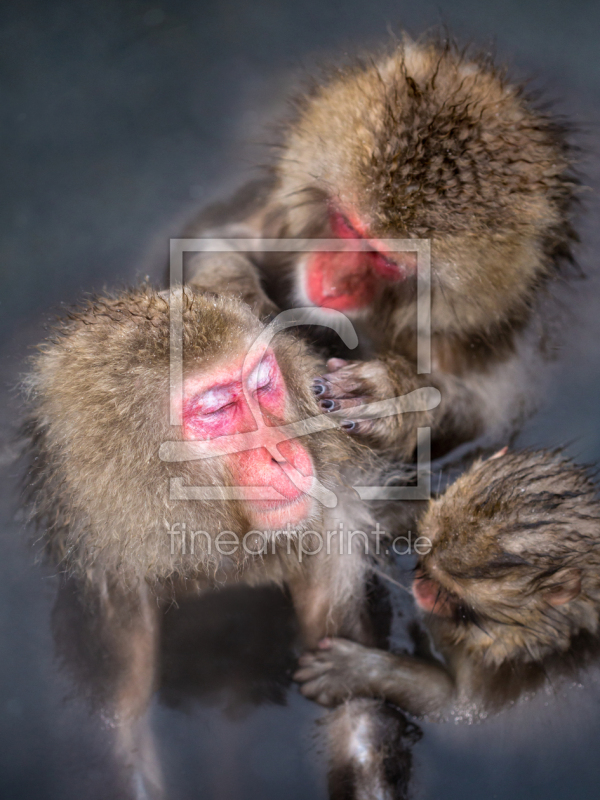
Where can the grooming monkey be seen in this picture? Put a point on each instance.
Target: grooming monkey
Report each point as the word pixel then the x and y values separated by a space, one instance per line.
pixel 420 142
pixel 509 592
pixel 100 416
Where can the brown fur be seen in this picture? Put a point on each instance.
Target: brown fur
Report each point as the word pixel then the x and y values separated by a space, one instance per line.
pixel 426 141
pixel 503 534
pixel 99 391
pixel 99 412
pixel 515 557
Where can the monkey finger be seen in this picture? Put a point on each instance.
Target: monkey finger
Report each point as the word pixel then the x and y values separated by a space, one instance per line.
pixel 328 404
pixel 315 691
pixel 339 646
pixel 327 700
pixel 341 383
pixel 357 427
pixel 311 672
pixel 333 364
pixel 318 387
pixel 306 659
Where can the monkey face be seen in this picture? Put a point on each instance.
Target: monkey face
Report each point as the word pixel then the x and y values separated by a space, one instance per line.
pixel 500 597
pixel 108 458
pixel 514 559
pixel 352 281
pixel 425 143
pixel 249 401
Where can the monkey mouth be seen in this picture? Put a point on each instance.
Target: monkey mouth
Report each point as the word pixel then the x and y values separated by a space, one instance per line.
pixel 348 281
pixel 279 513
pixel 272 505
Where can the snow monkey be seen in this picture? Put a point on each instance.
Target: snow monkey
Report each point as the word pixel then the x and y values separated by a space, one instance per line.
pixel 509 592
pixel 121 493
pixel 419 142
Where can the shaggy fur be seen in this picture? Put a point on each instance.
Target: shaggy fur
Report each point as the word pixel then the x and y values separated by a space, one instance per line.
pixel 423 140
pixel 427 142
pixel 99 391
pixel 515 561
pixel 503 534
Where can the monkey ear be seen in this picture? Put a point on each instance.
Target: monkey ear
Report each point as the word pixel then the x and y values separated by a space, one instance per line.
pixel 565 586
pixel 499 454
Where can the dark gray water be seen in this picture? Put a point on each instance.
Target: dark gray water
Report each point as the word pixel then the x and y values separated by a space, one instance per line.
pixel 117 120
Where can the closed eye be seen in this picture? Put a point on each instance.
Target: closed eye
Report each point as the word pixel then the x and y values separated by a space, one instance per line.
pixel 213 402
pixel 266 387
pixel 214 412
pixel 261 379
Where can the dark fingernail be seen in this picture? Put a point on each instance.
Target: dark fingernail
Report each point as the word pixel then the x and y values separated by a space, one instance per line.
pixel 348 425
pixel 328 405
pixel 318 387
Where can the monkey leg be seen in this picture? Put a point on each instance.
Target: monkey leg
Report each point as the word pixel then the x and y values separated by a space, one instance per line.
pixel 369 755
pixel 340 669
pixel 354 383
pixel 108 639
pixel 370 751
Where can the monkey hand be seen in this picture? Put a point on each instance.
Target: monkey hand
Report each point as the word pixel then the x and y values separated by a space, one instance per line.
pixel 340 669
pixel 337 670
pixel 355 383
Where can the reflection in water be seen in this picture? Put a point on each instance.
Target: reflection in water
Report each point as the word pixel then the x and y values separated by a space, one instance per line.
pixel 233 647
pixel 236 648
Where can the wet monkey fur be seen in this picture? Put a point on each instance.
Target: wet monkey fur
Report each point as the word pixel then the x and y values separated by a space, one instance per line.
pixel 421 141
pixel 509 592
pixel 509 589
pixel 100 400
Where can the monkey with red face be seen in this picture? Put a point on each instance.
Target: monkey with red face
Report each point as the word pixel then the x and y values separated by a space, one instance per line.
pixel 509 588
pixel 149 489
pixel 421 142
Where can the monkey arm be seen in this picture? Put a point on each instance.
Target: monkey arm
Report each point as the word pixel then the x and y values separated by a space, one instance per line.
pixel 488 401
pixel 231 273
pixel 340 669
pixel 329 598
pixel 484 398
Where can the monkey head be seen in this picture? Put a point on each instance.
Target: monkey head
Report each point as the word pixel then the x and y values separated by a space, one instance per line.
pixel 425 142
pixel 103 407
pixel 514 566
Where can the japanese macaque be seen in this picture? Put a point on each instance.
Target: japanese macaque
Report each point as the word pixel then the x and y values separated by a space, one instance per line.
pixel 422 142
pixel 149 489
pixel 509 592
